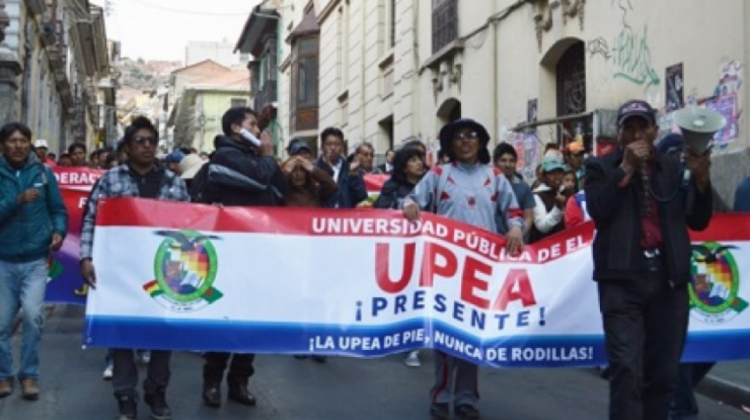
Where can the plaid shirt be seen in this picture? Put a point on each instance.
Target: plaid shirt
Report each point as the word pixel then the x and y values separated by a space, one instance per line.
pixel 118 182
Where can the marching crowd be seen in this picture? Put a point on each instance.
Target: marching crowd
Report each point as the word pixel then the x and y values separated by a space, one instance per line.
pixel 641 256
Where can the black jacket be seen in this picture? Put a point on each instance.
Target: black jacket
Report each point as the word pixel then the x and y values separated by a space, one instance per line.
pixel 239 176
pixel 351 190
pixel 393 192
pixel 615 210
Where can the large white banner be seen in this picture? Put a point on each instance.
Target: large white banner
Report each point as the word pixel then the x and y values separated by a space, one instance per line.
pixel 368 283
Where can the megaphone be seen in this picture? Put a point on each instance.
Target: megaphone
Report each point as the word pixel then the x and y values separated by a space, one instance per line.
pixel 698 126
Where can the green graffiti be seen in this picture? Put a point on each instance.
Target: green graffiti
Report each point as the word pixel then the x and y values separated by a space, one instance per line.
pixel 632 56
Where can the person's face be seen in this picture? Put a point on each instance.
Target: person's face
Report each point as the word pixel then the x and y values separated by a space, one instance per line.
pixel 389 156
pixel 365 156
pixel 415 167
pixel 41 153
pixel 507 164
pixel 103 158
pixel 65 161
pixel 113 163
pixel 636 129
pixel 16 148
pixel 298 176
pixel 569 182
pixel 333 147
pixel 465 145
pixel 553 179
pixel 142 148
pixel 78 157
pixel 575 160
pixel 174 167
pixel 250 123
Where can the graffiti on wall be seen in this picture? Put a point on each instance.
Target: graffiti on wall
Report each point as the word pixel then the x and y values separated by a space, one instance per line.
pixel 630 52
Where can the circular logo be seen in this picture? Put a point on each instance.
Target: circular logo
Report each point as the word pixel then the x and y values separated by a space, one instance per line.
pixel 185 269
pixel 714 284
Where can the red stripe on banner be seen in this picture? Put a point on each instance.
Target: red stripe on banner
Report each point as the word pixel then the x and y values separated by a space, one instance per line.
pixel 331 223
pixel 733 227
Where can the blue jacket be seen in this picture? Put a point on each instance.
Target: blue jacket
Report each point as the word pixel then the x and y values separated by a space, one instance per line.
pixel 26 230
pixel 742 196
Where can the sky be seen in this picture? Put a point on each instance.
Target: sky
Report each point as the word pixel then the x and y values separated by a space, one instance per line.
pixel 160 29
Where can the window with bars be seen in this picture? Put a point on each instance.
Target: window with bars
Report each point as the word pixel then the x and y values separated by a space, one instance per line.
pixel 238 102
pixel 571 81
pixel 444 23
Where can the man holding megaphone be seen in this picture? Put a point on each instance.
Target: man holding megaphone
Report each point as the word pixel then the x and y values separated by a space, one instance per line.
pixel 637 199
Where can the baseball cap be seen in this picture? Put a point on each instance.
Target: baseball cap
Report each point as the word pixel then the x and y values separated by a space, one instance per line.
pixel 636 108
pixel 297 146
pixel 575 148
pixel 41 143
pixel 552 163
pixel 174 157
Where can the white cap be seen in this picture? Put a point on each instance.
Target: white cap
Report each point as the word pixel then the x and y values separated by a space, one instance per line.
pixel 41 143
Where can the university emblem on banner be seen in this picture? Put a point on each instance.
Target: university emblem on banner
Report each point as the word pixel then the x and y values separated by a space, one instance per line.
pixel 54 269
pixel 715 284
pixel 185 269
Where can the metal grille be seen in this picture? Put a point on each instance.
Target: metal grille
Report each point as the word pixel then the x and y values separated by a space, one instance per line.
pixel 571 81
pixel 444 23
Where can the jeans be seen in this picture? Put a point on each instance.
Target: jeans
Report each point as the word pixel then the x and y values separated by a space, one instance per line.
pixel 22 286
pixel 645 323
pixel 125 373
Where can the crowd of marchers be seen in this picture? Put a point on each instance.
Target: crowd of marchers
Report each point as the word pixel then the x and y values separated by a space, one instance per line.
pixel 641 257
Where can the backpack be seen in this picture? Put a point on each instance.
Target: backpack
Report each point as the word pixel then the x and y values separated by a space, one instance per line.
pixel 199 186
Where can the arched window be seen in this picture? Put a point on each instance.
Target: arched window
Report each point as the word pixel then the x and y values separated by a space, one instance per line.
pixel 571 81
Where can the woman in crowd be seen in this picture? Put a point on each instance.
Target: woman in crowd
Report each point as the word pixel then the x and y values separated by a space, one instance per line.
pixel 471 191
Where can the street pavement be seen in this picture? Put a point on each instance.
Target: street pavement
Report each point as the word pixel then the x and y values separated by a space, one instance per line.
pixel 286 388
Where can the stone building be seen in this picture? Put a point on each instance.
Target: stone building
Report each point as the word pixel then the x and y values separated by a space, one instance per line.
pixel 533 71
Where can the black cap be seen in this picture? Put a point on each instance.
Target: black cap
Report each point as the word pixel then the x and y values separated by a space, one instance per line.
pixel 636 108
pixel 297 146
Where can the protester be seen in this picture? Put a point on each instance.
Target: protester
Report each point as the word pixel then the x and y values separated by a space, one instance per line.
pixel 575 210
pixel 138 177
pixel 550 199
pixel 33 224
pixel 307 184
pixel 94 160
pixel 189 167
pixel 570 182
pixel 387 166
pixel 474 195
pixel 408 168
pixel 574 154
pixel 642 260
pixel 239 174
pixel 505 158
pixel 173 161
pixel 684 405
pixel 52 157
pixel 41 149
pixel 77 152
pixel 65 161
pixel 348 176
pixel 365 155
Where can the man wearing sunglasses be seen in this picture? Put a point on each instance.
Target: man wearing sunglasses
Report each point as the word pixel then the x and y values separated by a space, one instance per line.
pixel 140 176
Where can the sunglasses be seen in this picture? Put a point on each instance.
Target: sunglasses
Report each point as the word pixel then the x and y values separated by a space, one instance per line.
pixel 465 135
pixel 145 139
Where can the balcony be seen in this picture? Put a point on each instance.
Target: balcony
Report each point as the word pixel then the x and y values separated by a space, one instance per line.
pixel 265 96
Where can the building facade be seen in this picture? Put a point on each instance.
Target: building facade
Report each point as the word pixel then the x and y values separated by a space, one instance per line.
pixel 260 38
pixel 52 58
pixel 533 72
